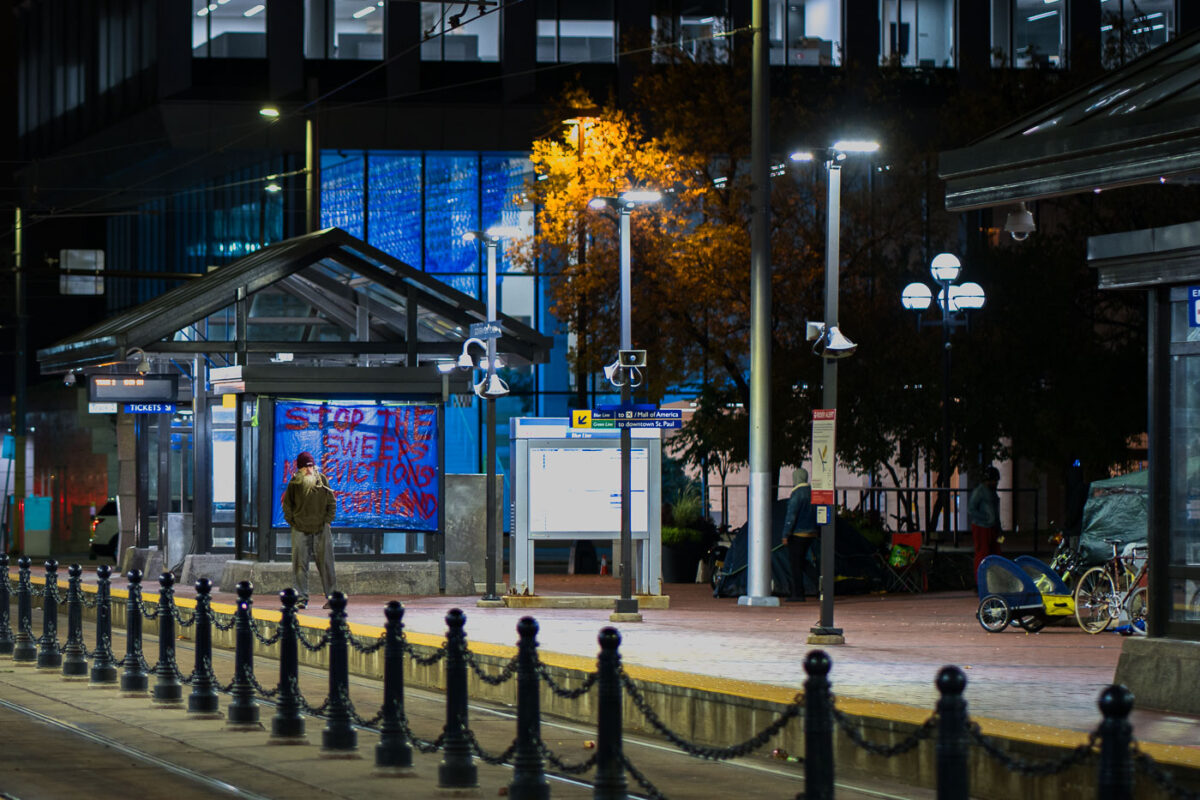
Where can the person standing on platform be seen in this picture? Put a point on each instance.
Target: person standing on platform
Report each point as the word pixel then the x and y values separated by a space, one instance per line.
pixel 800 528
pixel 309 507
pixel 983 512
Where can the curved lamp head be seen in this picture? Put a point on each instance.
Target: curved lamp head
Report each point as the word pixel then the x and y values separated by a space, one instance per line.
pixel 834 344
pixel 916 297
pixel 945 267
pixel 491 387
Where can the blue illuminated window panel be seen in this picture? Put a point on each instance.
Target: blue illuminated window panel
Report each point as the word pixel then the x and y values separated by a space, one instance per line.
pixel 342 192
pixel 394 204
pixel 451 209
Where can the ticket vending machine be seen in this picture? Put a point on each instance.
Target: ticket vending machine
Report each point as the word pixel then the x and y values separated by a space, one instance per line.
pixel 566 485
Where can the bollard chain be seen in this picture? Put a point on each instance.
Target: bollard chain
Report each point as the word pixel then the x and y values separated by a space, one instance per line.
pixel 1164 779
pixel 567 694
pixel 145 611
pixel 58 596
pixel 354 716
pixel 651 790
pixel 700 751
pixel 266 640
pixel 563 766
pixel 421 660
pixel 316 711
pixel 183 623
pixel 309 646
pixel 486 757
pixel 102 646
pixel 263 691
pixel 1034 768
pixel 927 730
pixel 365 649
pixel 510 669
pixel 424 745
pixel 216 621
pixel 88 600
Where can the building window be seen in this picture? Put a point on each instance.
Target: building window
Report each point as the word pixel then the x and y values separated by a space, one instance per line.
pixel 1028 34
pixel 229 28
pixel 917 33
pixel 1183 555
pixel 1131 28
pixel 697 29
pixel 344 29
pixel 459 32
pixel 805 33
pixel 576 31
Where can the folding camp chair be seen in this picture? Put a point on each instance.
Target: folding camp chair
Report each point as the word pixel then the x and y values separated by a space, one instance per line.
pixel 903 564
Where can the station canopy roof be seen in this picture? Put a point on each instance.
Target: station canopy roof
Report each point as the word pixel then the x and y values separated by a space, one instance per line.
pixel 324 299
pixel 1138 124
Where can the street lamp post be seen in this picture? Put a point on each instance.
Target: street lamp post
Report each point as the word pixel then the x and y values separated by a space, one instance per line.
pixel 623 373
pixel 954 300
pixel 831 346
pixel 491 387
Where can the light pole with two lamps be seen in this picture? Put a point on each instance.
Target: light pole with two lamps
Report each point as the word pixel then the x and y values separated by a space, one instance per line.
pixel 955 300
pixel 831 345
pixel 489 388
pixel 622 373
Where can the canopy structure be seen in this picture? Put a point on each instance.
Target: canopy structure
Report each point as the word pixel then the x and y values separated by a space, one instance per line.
pixel 1139 124
pixel 322 299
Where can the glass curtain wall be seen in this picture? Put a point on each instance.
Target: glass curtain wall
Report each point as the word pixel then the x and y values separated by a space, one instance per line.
pixel 917 33
pixel 460 32
pixel 229 28
pixel 1028 34
pixel 1130 28
pixel 805 33
pixel 694 28
pixel 576 31
pixel 1183 568
pixel 344 29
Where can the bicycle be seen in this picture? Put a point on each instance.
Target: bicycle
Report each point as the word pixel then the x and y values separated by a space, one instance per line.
pixel 1067 560
pixel 1104 591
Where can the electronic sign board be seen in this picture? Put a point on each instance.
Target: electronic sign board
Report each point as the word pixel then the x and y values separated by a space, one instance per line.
pixel 132 388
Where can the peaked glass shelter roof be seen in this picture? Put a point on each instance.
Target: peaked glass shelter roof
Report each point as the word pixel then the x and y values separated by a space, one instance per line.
pixel 326 298
pixel 1138 124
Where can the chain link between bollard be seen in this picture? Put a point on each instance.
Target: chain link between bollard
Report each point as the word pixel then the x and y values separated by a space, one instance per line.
pixel 563 766
pixel 183 623
pixel 1160 776
pixel 701 751
pixel 309 646
pixel 567 694
pixel 421 660
pixel 55 593
pixel 145 611
pixel 365 649
pixel 651 790
pixel 927 730
pixel 265 640
pixel 510 669
pixel 216 622
pixel 486 757
pixel 1031 768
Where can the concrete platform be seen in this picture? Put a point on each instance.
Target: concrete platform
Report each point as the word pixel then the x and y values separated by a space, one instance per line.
pixel 659 602
pixel 354 578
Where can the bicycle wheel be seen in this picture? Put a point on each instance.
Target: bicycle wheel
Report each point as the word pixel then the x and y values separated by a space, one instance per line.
pixel 1094 597
pixel 993 613
pixel 1139 609
pixel 1030 624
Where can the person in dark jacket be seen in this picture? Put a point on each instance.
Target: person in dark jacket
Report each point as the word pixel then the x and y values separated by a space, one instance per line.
pixel 309 507
pixel 983 512
pixel 800 528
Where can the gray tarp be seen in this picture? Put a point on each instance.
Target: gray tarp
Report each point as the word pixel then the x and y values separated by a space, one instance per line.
pixel 1116 508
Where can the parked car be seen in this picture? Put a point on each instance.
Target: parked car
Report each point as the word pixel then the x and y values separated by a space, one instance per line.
pixel 105 532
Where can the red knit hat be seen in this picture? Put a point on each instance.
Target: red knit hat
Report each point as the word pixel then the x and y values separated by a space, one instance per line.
pixel 305 459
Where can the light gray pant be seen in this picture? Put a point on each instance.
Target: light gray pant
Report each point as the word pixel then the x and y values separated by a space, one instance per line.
pixel 320 547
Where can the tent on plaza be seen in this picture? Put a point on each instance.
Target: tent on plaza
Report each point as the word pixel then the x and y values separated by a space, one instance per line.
pixel 1116 508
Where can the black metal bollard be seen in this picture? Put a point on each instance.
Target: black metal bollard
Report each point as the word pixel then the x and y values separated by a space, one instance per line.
pixel 288 723
pixel 818 728
pixel 133 674
pixel 339 736
pixel 1115 778
pixel 242 708
pixel 167 688
pixel 203 699
pixel 393 750
pixel 457 770
pixel 74 653
pixel 610 757
pixel 953 747
pixel 104 667
pixel 6 634
pixel 49 655
pixel 529 778
pixel 24 651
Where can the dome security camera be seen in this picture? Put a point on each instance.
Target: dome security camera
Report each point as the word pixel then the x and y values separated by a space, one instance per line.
pixel 1019 223
pixel 69 379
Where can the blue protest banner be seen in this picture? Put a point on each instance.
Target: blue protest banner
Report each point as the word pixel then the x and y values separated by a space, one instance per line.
pixel 381 460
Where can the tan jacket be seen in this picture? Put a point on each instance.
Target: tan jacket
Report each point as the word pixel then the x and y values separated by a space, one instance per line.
pixel 312 512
